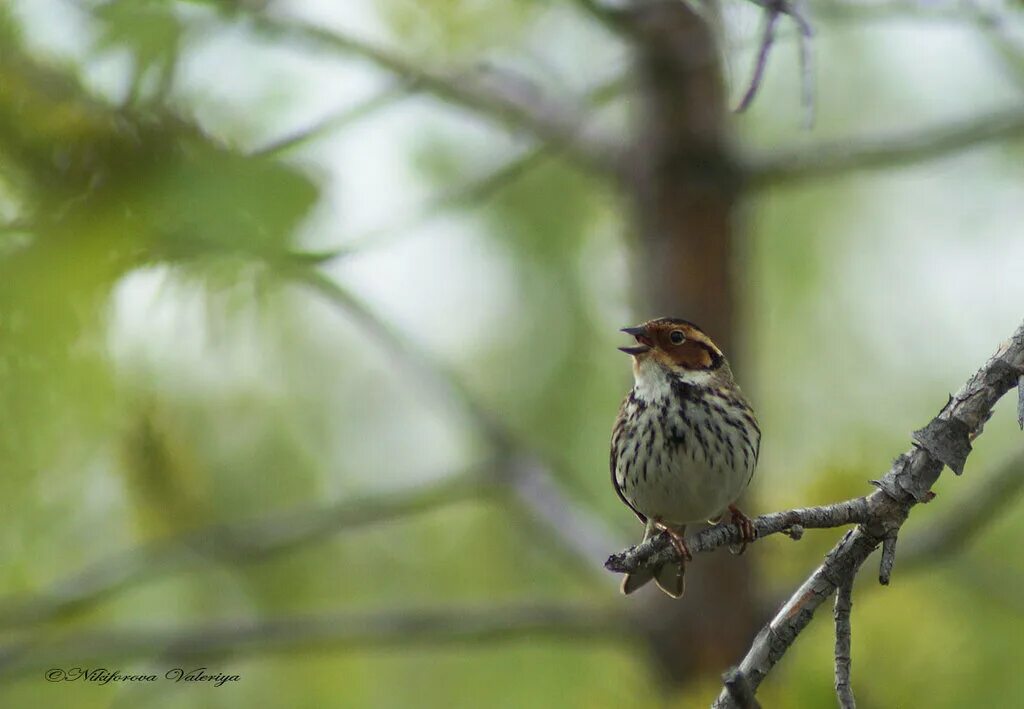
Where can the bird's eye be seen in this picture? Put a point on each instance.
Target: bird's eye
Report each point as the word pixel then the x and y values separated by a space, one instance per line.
pixel 677 337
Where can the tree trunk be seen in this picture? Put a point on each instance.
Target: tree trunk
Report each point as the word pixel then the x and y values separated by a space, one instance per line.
pixel 685 188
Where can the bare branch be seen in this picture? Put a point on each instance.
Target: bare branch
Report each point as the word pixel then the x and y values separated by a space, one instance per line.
pixel 771 21
pixel 1020 402
pixel 888 559
pixel 907 483
pixel 336 122
pixel 783 167
pixel 807 78
pixel 547 120
pixel 739 689
pixel 993 23
pixel 844 603
pixel 334 632
pixel 773 11
pixel 577 532
pixel 242 542
pixel 658 550
pixel 473 193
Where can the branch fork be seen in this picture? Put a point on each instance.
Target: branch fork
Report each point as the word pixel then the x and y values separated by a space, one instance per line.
pixel 879 516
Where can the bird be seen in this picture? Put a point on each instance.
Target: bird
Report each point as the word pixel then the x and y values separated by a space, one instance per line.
pixel 685 443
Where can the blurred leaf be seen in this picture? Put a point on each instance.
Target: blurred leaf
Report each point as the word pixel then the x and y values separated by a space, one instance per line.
pixel 449 28
pixel 149 30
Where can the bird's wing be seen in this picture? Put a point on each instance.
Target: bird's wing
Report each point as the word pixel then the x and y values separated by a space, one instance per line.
pixel 616 434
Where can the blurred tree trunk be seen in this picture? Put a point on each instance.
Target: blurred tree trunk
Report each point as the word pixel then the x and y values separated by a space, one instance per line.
pixel 685 189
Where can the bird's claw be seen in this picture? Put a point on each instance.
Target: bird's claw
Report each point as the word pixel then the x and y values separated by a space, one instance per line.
pixel 677 541
pixel 748 533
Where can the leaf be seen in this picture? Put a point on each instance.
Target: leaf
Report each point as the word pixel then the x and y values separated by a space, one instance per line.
pixel 149 29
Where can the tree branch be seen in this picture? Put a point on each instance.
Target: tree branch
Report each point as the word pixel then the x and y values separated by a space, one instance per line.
pixel 334 631
pixel 1020 402
pixel 739 689
pixel 577 532
pixel 659 550
pixel 773 12
pixel 844 603
pixel 342 119
pixel 787 166
pixel 879 515
pixel 235 543
pixel 485 93
pixel 888 559
pixel 907 483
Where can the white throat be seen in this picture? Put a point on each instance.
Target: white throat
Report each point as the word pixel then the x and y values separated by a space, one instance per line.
pixel 652 382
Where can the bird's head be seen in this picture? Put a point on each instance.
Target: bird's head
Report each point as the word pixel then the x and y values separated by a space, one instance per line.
pixel 675 345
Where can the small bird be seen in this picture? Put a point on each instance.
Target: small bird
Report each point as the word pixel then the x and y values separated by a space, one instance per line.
pixel 685 443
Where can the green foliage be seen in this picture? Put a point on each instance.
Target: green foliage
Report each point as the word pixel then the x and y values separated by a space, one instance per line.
pixel 149 30
pixel 456 28
pixel 263 401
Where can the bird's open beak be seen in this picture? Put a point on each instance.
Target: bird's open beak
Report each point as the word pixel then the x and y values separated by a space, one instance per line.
pixel 643 342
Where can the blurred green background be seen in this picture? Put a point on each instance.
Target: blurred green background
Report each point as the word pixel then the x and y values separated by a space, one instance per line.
pixel 307 351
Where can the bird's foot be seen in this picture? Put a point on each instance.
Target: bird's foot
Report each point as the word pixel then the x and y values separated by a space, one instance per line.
pixel 678 543
pixel 747 531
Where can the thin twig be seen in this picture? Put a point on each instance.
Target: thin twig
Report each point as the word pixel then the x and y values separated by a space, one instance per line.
pixel 341 120
pixel 575 530
pixel 844 604
pixel 739 689
pixel 1020 402
pixel 773 11
pixel 474 192
pixel 843 157
pixel 888 559
pixel 547 119
pixel 771 21
pixel 805 43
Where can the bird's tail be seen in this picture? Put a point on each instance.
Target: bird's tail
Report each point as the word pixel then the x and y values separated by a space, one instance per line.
pixel 669 577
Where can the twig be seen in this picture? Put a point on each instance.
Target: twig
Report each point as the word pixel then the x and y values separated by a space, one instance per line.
pixel 739 689
pixel 247 541
pixel 336 122
pixel 475 192
pixel 771 20
pixel 807 80
pixel 844 603
pixel 906 484
pixel 992 22
pixel 575 530
pixel 546 119
pixel 1020 402
pixel 773 11
pixel 785 166
pixel 888 559
pixel 333 631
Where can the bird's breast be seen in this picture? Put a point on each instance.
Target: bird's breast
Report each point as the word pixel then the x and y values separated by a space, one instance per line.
pixel 685 459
